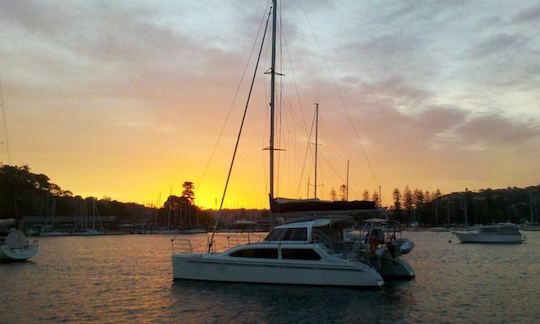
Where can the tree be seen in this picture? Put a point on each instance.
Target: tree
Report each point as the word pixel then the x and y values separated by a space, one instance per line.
pixel 333 194
pixel 396 194
pixel 418 199
pixel 365 195
pixel 343 192
pixel 188 193
pixel 408 201
pixel 376 198
pixel 428 197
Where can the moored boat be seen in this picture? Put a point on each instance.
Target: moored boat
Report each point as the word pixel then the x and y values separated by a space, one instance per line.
pixel 497 233
pixel 14 245
pixel 291 254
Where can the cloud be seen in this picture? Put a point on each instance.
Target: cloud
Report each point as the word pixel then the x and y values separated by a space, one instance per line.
pixel 531 14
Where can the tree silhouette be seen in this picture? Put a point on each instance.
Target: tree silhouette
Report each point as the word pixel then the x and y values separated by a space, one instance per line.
pixel 187 192
pixel 365 195
pixel 396 194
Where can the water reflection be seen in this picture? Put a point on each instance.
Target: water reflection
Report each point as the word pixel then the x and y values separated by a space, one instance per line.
pixel 285 303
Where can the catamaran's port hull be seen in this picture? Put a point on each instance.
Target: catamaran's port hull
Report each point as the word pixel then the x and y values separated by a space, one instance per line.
pixel 209 268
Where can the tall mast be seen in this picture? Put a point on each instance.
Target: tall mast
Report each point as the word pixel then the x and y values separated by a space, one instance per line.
pixel 347 192
pixel 316 143
pixel 272 96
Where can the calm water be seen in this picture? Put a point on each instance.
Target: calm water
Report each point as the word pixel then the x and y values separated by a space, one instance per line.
pixel 128 278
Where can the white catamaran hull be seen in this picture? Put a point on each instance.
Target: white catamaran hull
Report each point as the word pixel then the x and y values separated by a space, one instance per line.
pixel 216 267
pixel 475 237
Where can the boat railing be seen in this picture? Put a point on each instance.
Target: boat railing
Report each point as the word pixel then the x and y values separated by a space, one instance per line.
pixel 181 245
pixel 239 239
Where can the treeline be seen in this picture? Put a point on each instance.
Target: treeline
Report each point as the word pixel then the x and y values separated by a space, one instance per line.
pixel 24 193
pixel 485 206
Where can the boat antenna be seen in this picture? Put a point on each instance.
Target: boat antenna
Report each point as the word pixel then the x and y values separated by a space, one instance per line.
pixel 316 143
pixel 211 242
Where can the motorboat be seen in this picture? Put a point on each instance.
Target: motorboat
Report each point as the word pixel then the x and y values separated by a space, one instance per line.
pixel 14 245
pixel 302 253
pixel 497 233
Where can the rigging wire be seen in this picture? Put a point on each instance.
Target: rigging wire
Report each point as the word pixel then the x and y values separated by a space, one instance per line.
pixel 295 83
pixel 305 157
pixel 337 173
pixel 210 243
pixel 234 99
pixel 339 95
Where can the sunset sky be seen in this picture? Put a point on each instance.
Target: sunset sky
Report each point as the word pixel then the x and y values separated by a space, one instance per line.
pixel 127 98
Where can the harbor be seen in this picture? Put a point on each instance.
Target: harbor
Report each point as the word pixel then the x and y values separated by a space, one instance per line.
pixel 273 161
pixel 128 278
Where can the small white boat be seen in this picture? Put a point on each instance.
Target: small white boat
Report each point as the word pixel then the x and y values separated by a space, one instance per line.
pixel 14 245
pixel 290 254
pixel 498 233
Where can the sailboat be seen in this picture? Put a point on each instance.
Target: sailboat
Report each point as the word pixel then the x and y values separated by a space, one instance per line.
pixel 533 225
pixel 329 248
pixel 14 245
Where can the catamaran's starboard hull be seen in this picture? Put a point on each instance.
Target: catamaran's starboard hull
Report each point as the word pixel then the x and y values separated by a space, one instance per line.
pixel 215 268
pixel 474 237
pixel 14 255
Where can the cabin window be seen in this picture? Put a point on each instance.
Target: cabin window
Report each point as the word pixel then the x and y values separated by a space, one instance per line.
pixel 300 254
pixel 275 235
pixel 288 234
pixel 256 253
pixel 295 234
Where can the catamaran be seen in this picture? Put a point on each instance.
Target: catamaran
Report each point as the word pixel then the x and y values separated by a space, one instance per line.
pixel 327 247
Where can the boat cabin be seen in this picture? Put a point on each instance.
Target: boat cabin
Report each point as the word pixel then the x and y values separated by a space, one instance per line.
pixel 500 229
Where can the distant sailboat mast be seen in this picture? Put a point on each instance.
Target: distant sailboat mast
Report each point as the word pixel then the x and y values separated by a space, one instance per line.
pixel 316 143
